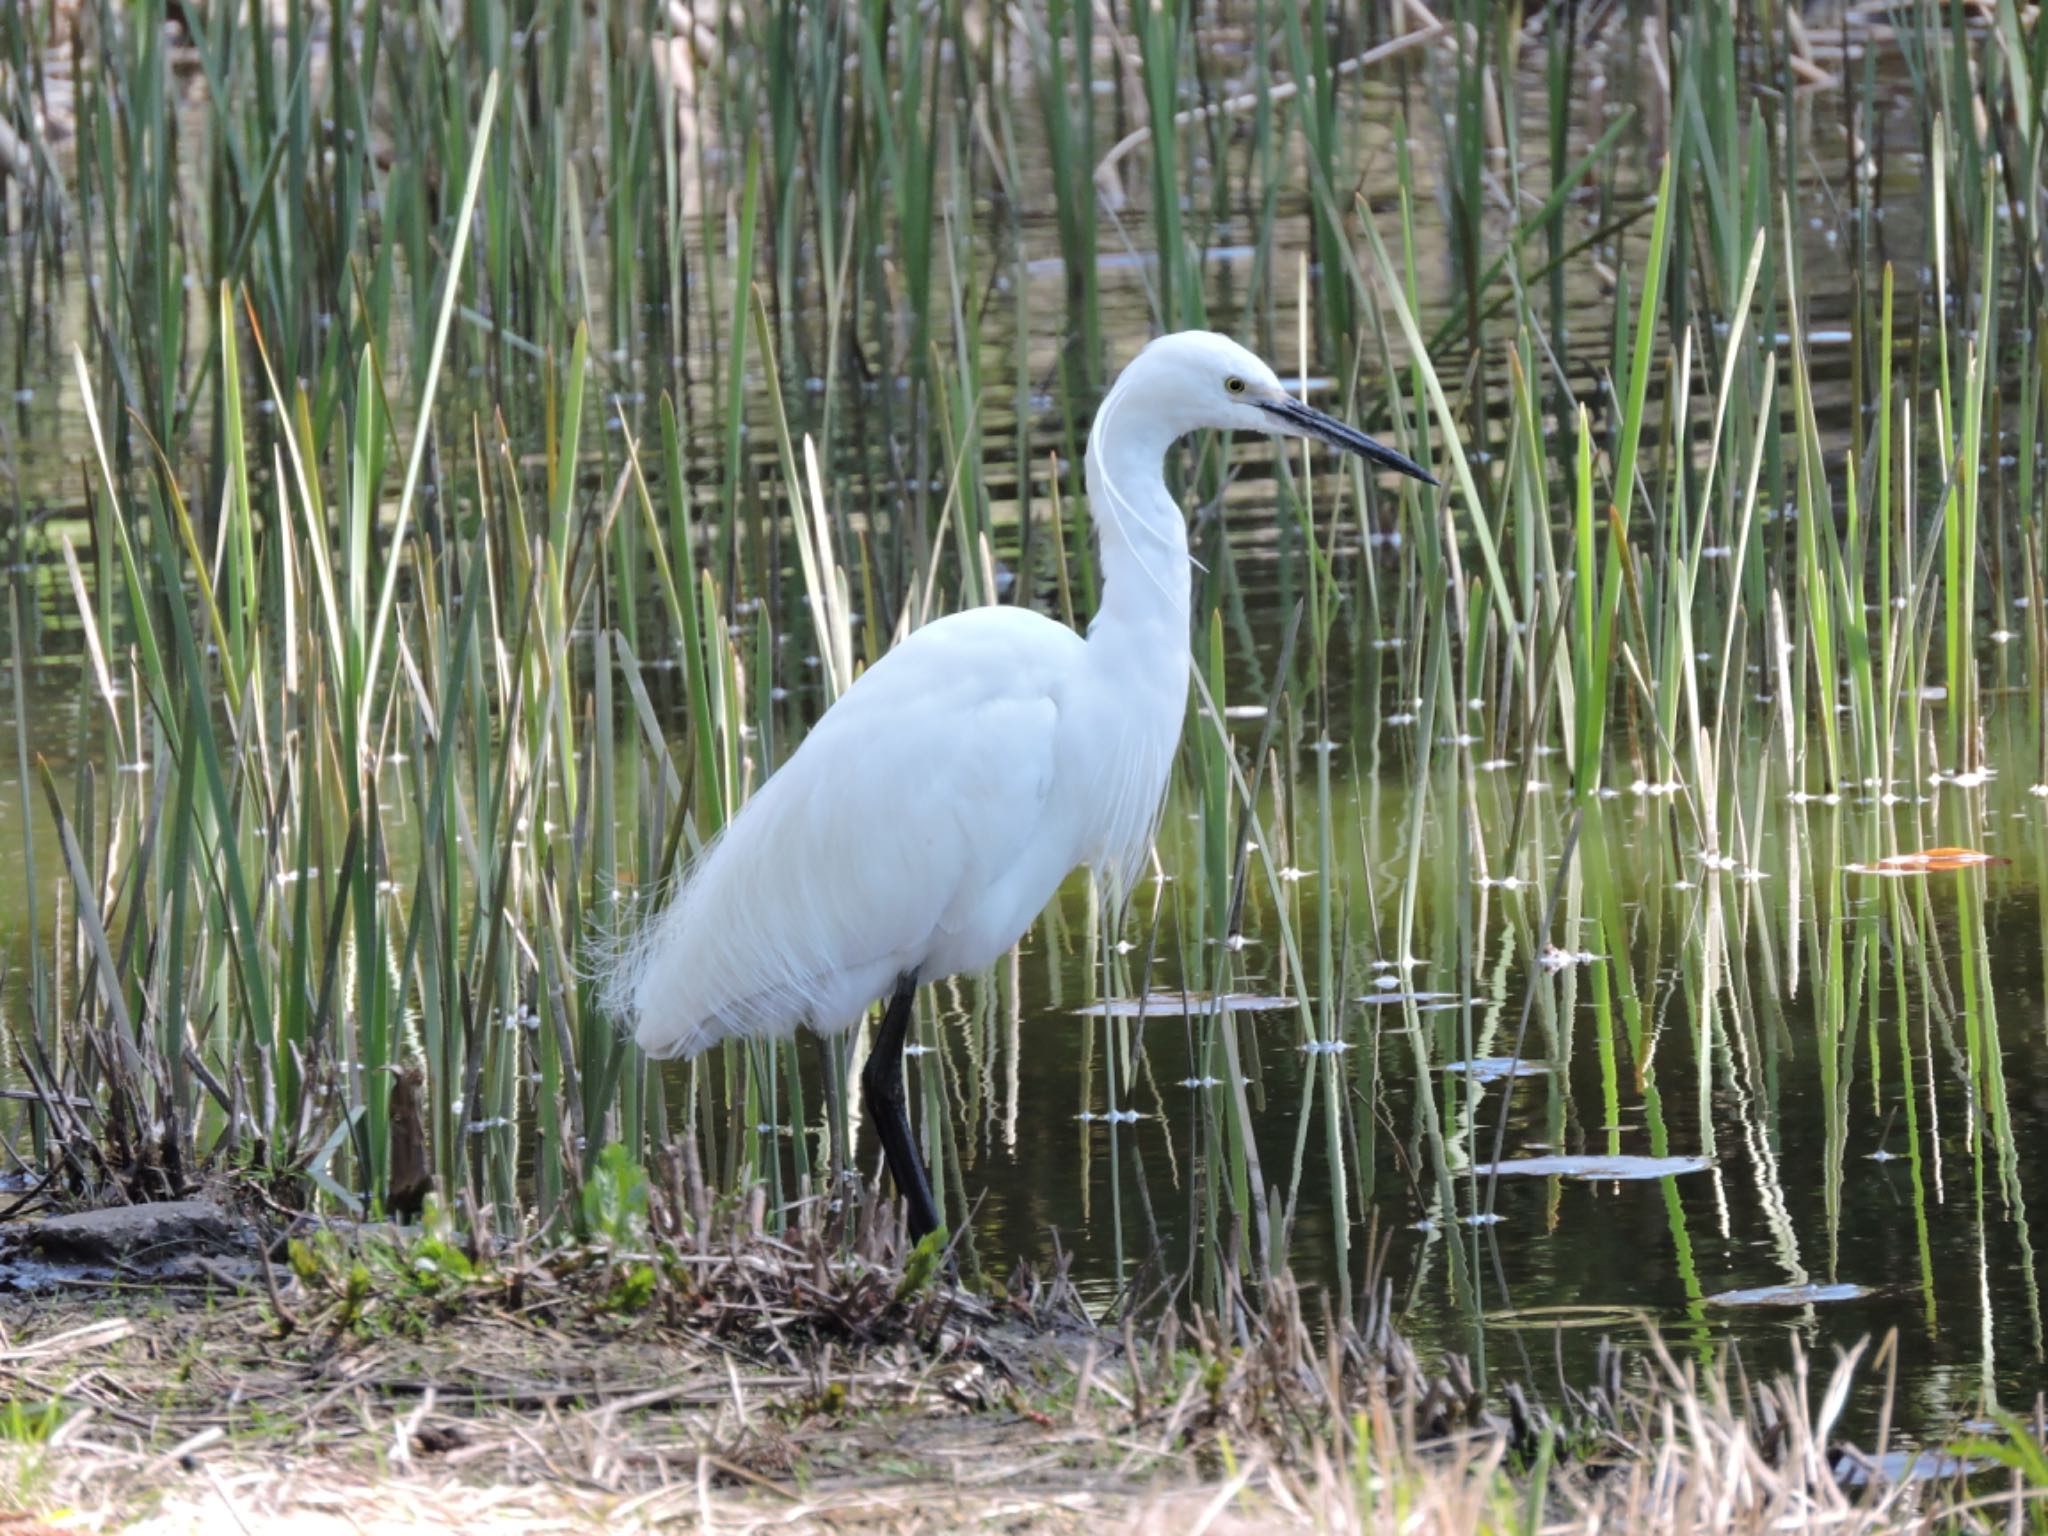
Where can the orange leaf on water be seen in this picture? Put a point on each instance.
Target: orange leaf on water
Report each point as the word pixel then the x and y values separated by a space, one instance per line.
pixel 1932 861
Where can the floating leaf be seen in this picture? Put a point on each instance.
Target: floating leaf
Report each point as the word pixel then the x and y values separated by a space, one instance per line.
pixel 1565 1315
pixel 1857 1469
pixel 1175 1005
pixel 1788 1295
pixel 1491 1069
pixel 1618 1166
pixel 1931 861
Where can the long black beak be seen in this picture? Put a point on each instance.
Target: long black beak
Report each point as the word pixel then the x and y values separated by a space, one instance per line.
pixel 1310 422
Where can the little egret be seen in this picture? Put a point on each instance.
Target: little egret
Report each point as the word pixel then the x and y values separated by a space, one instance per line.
pixel 934 810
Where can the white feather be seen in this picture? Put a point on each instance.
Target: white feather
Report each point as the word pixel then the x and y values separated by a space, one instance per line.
pixel 932 813
pixel 902 829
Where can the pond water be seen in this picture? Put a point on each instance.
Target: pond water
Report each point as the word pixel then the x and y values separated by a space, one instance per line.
pixel 1852 1070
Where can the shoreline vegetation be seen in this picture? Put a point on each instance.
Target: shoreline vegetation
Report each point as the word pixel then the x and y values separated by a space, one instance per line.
pixel 453 452
pixel 816 1377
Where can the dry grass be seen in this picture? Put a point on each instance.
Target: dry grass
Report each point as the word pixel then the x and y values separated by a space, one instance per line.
pixel 799 1383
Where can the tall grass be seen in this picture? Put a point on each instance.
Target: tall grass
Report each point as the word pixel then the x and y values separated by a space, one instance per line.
pixel 502 435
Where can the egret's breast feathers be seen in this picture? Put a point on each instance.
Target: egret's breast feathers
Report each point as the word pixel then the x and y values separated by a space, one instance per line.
pixel 1130 816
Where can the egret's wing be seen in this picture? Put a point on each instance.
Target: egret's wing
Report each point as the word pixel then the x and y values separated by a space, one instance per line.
pixel 921 787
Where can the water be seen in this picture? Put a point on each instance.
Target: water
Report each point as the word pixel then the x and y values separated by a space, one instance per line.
pixel 1801 1110
pixel 1859 1065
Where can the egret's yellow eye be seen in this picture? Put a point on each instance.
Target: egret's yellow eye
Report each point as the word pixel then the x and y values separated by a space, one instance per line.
pixel 1234 385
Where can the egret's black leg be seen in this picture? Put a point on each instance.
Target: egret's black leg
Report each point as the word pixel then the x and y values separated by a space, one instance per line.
pixel 881 1082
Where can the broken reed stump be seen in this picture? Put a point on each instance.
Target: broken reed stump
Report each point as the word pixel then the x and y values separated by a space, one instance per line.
pixel 410 1178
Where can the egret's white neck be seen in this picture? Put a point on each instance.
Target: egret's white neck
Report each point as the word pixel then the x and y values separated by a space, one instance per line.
pixel 1144 539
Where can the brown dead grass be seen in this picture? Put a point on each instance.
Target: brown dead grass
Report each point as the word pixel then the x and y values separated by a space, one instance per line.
pixel 196 1417
pixel 792 1384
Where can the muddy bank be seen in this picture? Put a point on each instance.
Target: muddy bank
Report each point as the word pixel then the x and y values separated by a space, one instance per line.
pixel 173 1242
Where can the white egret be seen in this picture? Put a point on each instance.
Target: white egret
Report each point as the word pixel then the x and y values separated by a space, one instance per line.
pixel 934 810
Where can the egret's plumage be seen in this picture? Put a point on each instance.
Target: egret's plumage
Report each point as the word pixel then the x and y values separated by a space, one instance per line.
pixel 933 811
pixel 898 837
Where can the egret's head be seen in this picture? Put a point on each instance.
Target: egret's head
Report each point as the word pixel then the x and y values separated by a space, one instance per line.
pixel 1197 379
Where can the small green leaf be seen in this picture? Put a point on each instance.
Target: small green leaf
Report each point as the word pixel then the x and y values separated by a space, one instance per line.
pixel 923 1265
pixel 633 1289
pixel 615 1198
